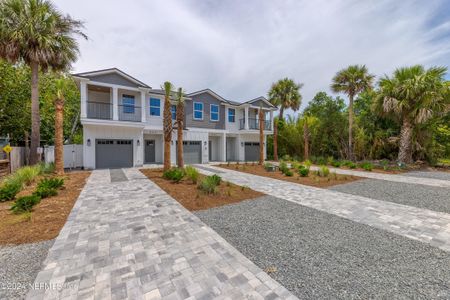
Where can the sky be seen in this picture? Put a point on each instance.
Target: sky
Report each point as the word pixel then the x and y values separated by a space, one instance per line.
pixel 239 48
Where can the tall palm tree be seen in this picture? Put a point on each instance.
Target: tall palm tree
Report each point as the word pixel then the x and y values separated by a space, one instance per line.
pixel 308 121
pixel 180 124
pixel 412 96
pixel 352 81
pixel 167 123
pixel 35 32
pixel 261 135
pixel 284 93
pixel 59 121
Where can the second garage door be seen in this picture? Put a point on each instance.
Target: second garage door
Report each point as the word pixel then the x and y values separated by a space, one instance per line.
pixel 192 152
pixel 113 153
pixel 251 151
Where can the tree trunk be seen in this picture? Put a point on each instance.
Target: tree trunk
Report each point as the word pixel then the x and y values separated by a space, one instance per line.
pixel 306 140
pixel 350 128
pixel 27 148
pixel 180 124
pixel 261 136
pixel 167 132
pixel 35 118
pixel 405 151
pixel 59 137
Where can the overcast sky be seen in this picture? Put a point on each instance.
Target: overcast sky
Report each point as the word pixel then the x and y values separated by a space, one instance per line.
pixel 238 48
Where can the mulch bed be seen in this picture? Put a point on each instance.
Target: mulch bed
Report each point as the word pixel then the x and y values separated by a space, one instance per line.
pixel 47 218
pixel 311 180
pixel 194 199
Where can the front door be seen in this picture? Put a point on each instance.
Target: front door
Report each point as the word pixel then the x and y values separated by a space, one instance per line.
pixel 149 151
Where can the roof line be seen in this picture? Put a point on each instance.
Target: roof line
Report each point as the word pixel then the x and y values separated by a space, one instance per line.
pixel 86 74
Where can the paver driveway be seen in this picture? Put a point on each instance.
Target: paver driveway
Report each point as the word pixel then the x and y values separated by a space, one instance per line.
pixel 127 239
pixel 412 222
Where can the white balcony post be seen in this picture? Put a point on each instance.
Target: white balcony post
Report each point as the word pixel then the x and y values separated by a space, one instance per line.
pixel 83 96
pixel 224 147
pixel 115 103
pixel 271 120
pixel 143 108
pixel 246 118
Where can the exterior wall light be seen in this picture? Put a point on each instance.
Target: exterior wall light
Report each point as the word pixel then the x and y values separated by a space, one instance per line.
pixel 138 143
pixel 89 142
pixel 242 144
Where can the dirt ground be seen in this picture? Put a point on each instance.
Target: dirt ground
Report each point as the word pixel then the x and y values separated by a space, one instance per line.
pixel 46 219
pixel 194 199
pixel 311 180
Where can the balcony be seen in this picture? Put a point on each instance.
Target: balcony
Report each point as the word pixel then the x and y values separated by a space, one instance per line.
pixel 129 113
pixel 253 124
pixel 99 110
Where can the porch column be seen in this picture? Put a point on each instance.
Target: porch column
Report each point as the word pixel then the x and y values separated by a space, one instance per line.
pixel 224 147
pixel 83 96
pixel 246 118
pixel 115 103
pixel 143 108
pixel 271 120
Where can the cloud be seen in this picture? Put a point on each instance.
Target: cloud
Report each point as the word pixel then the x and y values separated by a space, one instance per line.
pixel 238 48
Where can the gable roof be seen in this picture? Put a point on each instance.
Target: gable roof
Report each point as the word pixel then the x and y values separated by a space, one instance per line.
pixel 217 96
pixel 263 99
pixel 91 74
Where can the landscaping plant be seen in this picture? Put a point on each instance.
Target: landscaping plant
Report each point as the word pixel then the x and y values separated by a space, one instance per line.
pixel 48 187
pixel 25 204
pixel 174 174
pixel 366 166
pixel 9 189
pixel 303 172
pixel 209 184
pixel 323 171
pixel 192 173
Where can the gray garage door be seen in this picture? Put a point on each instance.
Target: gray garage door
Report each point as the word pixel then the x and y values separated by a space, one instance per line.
pixel 192 152
pixel 113 154
pixel 251 151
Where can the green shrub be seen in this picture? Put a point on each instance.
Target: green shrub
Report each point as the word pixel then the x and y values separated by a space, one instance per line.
pixel 303 172
pixel 192 173
pixel 323 171
pixel 330 160
pixel 286 157
pixel 283 167
pixel 319 160
pixel 295 165
pixel 384 164
pixel 9 190
pixel 336 164
pixel 27 174
pixel 25 204
pixel 48 187
pixel 209 184
pixel 366 166
pixel 174 174
pixel 349 164
pixel 47 168
pixel 308 163
pixel 288 173
pixel 268 166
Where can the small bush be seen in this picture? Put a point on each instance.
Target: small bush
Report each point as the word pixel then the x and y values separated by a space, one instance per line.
pixel 9 190
pixel 336 164
pixel 268 166
pixel 295 165
pixel 27 174
pixel 25 204
pixel 174 174
pixel 283 167
pixel 319 160
pixel 54 182
pixel 209 184
pixel 323 171
pixel 366 166
pixel 192 173
pixel 216 178
pixel 286 157
pixel 48 187
pixel 288 173
pixel 330 160
pixel 303 172
pixel 307 163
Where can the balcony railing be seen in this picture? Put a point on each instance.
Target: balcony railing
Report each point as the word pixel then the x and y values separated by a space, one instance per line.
pixel 254 124
pixel 130 113
pixel 99 110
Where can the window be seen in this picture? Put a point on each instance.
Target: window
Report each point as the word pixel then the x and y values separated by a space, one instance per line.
pixel 198 111
pixel 214 110
pixel 173 110
pixel 128 104
pixel 231 115
pixel 155 107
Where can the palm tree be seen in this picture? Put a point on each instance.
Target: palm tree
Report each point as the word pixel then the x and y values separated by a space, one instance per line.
pixel 413 96
pixel 180 124
pixel 261 135
pixel 284 93
pixel 352 81
pixel 167 123
pixel 308 121
pixel 35 32
pixel 59 121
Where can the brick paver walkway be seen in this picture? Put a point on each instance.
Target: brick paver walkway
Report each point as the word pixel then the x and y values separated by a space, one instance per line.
pixel 412 222
pixel 127 239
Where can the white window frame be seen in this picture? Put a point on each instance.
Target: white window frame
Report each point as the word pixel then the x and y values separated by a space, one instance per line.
pixel 210 113
pixel 194 110
pixel 150 106
pixel 234 114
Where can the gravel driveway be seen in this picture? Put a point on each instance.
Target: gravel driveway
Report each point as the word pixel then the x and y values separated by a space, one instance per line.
pixel 422 196
pixel 318 255
pixel 19 267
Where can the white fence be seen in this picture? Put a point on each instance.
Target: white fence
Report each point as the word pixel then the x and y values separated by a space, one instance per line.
pixel 73 156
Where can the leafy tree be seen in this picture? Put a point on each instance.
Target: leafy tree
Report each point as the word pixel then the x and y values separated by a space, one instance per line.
pixel 352 81
pixel 180 124
pixel 284 93
pixel 167 123
pixel 36 33
pixel 413 96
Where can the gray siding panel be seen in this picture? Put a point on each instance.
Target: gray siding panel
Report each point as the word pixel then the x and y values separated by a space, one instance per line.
pixel 206 99
pixel 113 78
pixel 260 102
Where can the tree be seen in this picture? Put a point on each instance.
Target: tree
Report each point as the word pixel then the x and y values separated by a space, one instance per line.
pixel 180 125
pixel 35 32
pixel 167 123
pixel 352 81
pixel 261 135
pixel 413 95
pixel 308 121
pixel 59 121
pixel 284 93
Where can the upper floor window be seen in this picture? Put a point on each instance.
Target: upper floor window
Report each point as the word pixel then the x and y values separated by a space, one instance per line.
pixel 214 115
pixel 155 107
pixel 173 110
pixel 198 111
pixel 231 115
pixel 128 104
